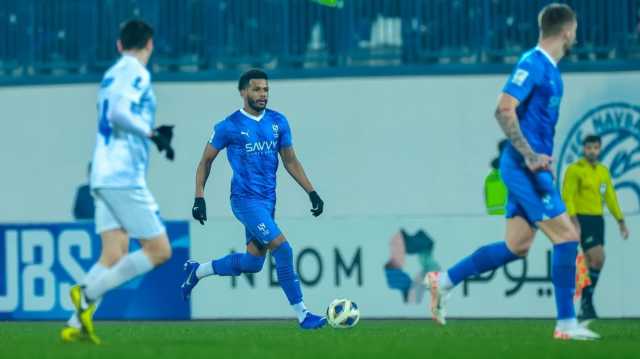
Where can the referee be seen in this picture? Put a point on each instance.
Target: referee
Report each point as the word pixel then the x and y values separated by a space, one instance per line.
pixel 587 184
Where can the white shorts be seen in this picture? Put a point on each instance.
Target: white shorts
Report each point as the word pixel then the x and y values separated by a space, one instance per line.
pixel 132 209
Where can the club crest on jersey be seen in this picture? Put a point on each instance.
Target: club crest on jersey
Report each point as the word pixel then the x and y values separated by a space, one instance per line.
pixel 618 124
pixel 275 130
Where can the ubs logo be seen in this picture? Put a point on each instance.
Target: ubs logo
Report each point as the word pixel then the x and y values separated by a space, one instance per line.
pixel 619 126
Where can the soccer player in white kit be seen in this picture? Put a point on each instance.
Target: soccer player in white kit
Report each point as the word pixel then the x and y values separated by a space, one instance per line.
pixel 124 206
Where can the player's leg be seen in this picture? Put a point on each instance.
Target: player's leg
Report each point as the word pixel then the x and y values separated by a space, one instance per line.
pixel 564 237
pixel 282 253
pixel 136 211
pixel 155 251
pixel 232 264
pixel 518 239
pixel 592 241
pixel 114 245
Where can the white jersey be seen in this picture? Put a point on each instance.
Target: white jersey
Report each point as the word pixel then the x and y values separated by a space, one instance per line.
pixel 121 153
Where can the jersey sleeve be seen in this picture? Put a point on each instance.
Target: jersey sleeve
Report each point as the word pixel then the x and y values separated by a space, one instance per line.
pixel 219 136
pixel 611 199
pixel 132 85
pixel 522 80
pixel 125 101
pixel 285 134
pixel 569 189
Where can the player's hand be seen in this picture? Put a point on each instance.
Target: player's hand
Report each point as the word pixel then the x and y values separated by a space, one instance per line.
pixel 199 210
pixel 624 231
pixel 162 136
pixel 538 162
pixel 317 204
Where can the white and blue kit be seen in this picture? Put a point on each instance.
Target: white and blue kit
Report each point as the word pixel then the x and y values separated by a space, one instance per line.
pixel 126 115
pixel 253 144
pixel 537 84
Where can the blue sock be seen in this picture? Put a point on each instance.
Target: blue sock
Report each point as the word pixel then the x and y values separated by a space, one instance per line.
pixel 483 259
pixel 237 263
pixel 286 273
pixel 563 276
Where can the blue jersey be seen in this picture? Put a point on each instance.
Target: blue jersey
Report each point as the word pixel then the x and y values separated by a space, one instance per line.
pixel 252 144
pixel 537 84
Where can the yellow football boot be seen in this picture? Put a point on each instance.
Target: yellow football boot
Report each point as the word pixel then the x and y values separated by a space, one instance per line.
pixel 85 314
pixel 71 334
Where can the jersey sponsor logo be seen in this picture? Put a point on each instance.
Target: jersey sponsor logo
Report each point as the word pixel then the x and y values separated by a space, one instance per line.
pixel 260 147
pixel 520 76
pixel 619 126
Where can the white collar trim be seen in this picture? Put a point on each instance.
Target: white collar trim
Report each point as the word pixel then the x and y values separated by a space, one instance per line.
pixel 255 118
pixel 546 54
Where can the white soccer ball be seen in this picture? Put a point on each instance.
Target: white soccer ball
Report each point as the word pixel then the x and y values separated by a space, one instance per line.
pixel 343 313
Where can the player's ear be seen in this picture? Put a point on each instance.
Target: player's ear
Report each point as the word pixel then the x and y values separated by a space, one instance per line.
pixel 149 45
pixel 119 46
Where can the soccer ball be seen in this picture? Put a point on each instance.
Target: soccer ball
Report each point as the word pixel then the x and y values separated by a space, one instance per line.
pixel 343 313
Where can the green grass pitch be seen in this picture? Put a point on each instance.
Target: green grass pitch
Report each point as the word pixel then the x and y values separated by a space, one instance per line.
pixel 283 340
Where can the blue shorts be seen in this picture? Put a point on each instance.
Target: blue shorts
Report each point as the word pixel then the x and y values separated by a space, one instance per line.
pixel 257 216
pixel 532 196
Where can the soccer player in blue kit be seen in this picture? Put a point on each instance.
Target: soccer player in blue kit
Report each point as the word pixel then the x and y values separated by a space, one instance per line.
pixel 254 136
pixel 527 112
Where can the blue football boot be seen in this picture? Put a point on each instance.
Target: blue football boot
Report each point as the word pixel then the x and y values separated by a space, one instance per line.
pixel 190 268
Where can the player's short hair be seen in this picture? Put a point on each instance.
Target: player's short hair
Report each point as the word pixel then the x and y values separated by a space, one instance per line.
pixel 253 74
pixel 592 139
pixel 134 34
pixel 553 18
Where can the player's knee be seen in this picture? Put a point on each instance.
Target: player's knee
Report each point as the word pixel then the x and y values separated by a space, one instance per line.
pixel 568 235
pixel 158 251
pixel 597 262
pixel 163 253
pixel 252 264
pixel 521 251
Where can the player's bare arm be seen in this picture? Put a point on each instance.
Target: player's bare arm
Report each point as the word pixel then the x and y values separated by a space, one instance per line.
pixel 199 209
pixel 508 119
pixel 204 168
pixel 295 169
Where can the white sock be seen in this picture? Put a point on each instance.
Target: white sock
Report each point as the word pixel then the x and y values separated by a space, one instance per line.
pixel 96 270
pixel 301 311
pixel 129 267
pixel 445 281
pixel 566 324
pixel 205 270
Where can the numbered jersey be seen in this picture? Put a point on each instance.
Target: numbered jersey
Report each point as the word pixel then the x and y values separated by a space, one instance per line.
pixel 121 157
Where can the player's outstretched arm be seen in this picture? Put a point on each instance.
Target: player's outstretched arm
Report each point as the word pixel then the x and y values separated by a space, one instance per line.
pixel 295 169
pixel 199 210
pixel 508 119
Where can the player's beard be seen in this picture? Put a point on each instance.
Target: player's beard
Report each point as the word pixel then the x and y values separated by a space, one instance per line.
pixel 258 108
pixel 591 158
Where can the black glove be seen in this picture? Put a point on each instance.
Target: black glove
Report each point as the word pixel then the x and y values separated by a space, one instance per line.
pixel 199 210
pixel 162 136
pixel 317 205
